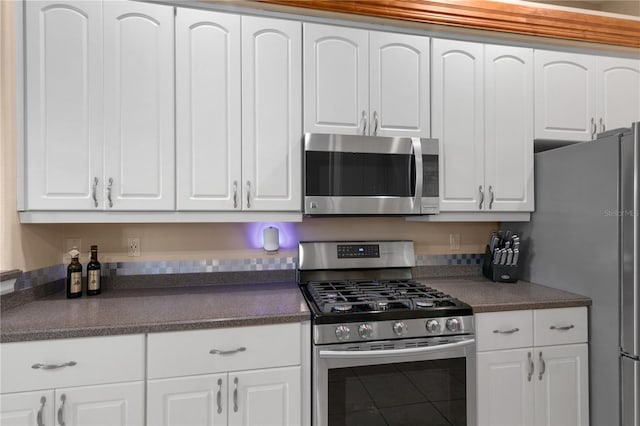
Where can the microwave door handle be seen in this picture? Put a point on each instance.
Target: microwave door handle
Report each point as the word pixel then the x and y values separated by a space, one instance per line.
pixel 417 155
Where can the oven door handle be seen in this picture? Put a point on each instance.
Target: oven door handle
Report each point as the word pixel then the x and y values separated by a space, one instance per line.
pixel 394 352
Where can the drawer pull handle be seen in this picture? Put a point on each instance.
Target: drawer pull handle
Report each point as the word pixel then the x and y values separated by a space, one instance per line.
pixel 231 352
pixel 543 366
pixel 566 327
pixel 39 421
pixel 53 366
pixel 531 366
pixel 219 396
pixel 235 395
pixel 513 330
pixel 61 422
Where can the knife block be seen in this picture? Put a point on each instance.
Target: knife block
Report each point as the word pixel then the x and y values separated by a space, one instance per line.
pixel 499 273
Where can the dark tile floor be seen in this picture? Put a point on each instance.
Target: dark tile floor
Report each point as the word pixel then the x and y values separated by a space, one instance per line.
pixel 428 393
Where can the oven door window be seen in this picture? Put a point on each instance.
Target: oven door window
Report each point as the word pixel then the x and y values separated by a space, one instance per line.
pixel 422 393
pixel 348 174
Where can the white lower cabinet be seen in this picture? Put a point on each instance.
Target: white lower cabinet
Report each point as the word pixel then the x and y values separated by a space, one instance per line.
pixel 233 376
pixel 525 376
pixel 73 382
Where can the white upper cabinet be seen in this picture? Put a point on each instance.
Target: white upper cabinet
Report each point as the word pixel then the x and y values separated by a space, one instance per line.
pixel 509 128
pixel 617 92
pixel 365 82
pixel 64 137
pixel 483 117
pixel 271 114
pixel 139 106
pixel 208 143
pixel 458 123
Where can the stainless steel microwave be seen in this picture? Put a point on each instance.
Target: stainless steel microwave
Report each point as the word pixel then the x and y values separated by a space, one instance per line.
pixel 370 175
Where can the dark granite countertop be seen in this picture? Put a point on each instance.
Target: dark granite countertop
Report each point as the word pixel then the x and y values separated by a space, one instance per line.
pixel 150 310
pixel 487 296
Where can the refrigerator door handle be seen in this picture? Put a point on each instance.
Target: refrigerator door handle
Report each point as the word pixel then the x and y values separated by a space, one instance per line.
pixel 630 391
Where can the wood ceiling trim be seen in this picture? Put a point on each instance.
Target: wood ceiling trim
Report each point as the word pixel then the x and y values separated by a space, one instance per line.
pixel 488 15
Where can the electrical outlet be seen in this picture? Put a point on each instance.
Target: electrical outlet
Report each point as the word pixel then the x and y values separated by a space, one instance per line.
pixel 133 247
pixel 454 241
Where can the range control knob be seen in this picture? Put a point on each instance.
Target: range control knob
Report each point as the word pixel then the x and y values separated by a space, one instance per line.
pixel 400 328
pixel 342 332
pixel 453 324
pixel 433 326
pixel 365 331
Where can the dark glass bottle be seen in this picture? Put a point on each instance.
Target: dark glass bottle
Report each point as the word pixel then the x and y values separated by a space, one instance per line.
pixel 93 273
pixel 74 276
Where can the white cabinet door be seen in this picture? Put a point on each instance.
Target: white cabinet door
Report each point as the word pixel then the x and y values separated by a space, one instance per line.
pixel 119 404
pixel 617 92
pixel 64 104
pixel 504 388
pixel 208 144
pixel 564 96
pixel 269 397
pixel 509 128
pixel 271 114
pixel 399 85
pixel 562 385
pixel 27 408
pixel 336 84
pixel 139 106
pixel 188 401
pixel 458 123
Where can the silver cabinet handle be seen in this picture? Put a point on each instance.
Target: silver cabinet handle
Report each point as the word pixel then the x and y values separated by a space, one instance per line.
pixel 39 421
pixel 563 328
pixel 531 366
pixel 235 194
pixel 53 366
pixel 375 123
pixel 235 395
pixel 492 197
pixel 61 422
pixel 481 197
pixel 601 125
pixel 543 366
pixel 593 128
pixel 363 122
pixel 109 192
pixel 248 194
pixel 94 188
pixel 231 352
pixel 513 330
pixel 219 396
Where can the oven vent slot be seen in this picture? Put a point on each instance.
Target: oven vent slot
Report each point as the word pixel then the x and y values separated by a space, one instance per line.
pixel 382 346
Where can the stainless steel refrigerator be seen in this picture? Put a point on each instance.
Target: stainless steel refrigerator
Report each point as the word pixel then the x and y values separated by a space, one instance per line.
pixel 583 238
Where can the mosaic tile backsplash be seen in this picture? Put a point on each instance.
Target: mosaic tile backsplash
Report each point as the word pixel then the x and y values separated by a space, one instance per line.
pixel 45 275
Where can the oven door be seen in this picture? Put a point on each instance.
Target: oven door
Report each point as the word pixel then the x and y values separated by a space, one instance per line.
pixel 406 382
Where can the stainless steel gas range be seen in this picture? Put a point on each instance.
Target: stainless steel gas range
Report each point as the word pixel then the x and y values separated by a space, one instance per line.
pixel 387 349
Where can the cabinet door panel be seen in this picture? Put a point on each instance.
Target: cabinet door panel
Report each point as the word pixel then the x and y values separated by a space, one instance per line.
pixel 265 397
pixel 617 92
pixel 336 86
pixel 26 408
pixel 64 104
pixel 505 393
pixel 117 404
pixel 458 122
pixel 208 110
pixel 399 92
pixel 188 401
pixel 562 390
pixel 509 128
pixel 139 105
pixel 271 114
pixel 564 96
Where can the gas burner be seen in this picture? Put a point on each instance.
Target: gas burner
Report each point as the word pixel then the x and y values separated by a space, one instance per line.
pixel 383 305
pixel 342 308
pixel 424 304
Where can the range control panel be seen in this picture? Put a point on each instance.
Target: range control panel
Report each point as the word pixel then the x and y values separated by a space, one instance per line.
pixel 350 251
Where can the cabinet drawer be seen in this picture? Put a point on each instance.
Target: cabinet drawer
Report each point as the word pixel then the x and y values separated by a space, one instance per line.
pixel 504 330
pixel 560 326
pixel 97 360
pixel 184 353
